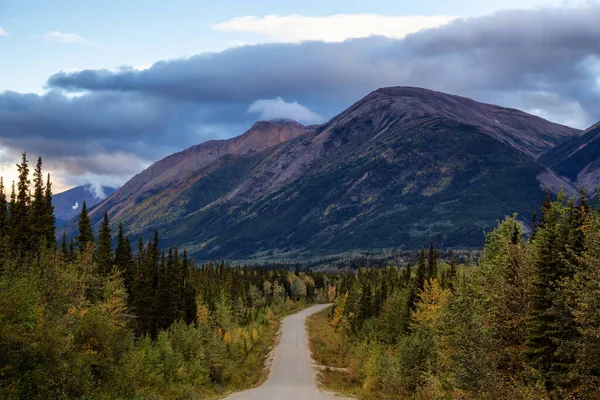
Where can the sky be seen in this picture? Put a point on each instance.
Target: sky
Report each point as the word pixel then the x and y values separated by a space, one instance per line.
pixel 101 89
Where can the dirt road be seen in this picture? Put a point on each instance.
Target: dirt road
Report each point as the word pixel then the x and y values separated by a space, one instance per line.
pixel 292 375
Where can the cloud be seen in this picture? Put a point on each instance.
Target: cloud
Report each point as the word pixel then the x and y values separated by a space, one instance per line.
pixel 279 108
pixel 334 28
pixel 547 62
pixel 61 37
pixel 3 32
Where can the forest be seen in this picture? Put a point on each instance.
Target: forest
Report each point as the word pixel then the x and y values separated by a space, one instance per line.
pixel 521 323
pixel 91 317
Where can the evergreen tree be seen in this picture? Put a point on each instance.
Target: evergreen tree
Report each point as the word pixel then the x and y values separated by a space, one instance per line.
pixel 86 234
pixel 49 218
pixel 104 256
pixel 550 324
pixel 452 273
pixel 19 210
pixel 432 263
pixel 3 211
pixel 421 274
pixel 124 260
pixel 64 246
pixel 38 205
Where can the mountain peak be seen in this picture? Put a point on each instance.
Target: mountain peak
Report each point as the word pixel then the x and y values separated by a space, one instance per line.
pixel 386 107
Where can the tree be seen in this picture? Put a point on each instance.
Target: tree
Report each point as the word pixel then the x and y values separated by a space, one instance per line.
pixel 38 205
pixel 3 210
pixel 104 256
pixel 19 210
pixel 86 234
pixel 64 246
pixel 49 218
pixel 421 275
pixel 124 259
pixel 432 263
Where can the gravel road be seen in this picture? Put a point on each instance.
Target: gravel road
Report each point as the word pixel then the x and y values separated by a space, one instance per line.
pixel 292 375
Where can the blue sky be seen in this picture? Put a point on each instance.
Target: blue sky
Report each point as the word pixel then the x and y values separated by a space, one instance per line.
pixel 200 70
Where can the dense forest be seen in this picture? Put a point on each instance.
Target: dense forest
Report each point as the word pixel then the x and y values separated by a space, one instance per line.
pixel 94 318
pixel 524 323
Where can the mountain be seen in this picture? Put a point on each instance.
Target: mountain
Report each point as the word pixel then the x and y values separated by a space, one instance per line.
pixel 68 204
pixel 398 168
pixel 578 159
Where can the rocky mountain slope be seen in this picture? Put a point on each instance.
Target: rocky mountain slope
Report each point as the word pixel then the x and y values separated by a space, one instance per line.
pixel 578 159
pixel 398 168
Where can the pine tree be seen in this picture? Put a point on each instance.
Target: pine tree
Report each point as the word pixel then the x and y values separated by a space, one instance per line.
pixel 421 274
pixel 64 246
pixel 124 260
pixel 104 256
pixel 19 210
pixel 550 323
pixel 86 234
pixel 38 205
pixel 432 263
pixel 3 211
pixel 49 218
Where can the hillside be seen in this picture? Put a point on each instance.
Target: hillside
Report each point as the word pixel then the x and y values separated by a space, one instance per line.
pixel 578 159
pixel 398 168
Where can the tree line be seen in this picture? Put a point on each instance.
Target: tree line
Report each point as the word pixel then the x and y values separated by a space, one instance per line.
pixel 523 323
pixel 92 317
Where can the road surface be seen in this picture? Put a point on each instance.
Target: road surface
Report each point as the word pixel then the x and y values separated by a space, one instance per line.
pixel 292 375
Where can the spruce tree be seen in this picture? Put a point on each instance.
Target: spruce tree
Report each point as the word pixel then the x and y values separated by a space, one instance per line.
pixel 64 246
pixel 124 260
pixel 3 210
pixel 432 263
pixel 19 210
pixel 38 205
pixel 551 324
pixel 421 274
pixel 49 218
pixel 104 256
pixel 86 234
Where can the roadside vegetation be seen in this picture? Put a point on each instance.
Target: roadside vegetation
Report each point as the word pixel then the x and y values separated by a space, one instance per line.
pixel 90 318
pixel 524 323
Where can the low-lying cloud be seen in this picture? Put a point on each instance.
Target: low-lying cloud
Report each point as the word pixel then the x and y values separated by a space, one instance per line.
pixel 279 108
pixel 543 61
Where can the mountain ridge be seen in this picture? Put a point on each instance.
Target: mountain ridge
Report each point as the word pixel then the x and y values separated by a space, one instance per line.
pixel 398 168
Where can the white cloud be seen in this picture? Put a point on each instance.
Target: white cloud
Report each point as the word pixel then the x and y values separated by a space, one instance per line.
pixel 334 28
pixel 279 108
pixel 61 37
pixel 3 32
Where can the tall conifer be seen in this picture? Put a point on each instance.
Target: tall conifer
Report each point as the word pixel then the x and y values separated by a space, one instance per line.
pixel 104 256
pixel 86 234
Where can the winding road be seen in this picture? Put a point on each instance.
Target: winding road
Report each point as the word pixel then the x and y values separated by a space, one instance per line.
pixel 292 375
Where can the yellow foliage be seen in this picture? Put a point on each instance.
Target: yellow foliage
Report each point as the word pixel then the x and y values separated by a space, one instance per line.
pixel 227 338
pixel 433 298
pixel 255 335
pixel 202 313
pixel 338 314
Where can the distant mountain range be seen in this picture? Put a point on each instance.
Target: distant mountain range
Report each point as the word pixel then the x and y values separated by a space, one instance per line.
pixel 399 168
pixel 68 204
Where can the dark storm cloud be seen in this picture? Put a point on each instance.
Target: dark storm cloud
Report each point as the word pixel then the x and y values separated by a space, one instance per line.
pixel 551 51
pixel 545 61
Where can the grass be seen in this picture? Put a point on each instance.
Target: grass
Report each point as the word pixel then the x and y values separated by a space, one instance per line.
pixel 330 348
